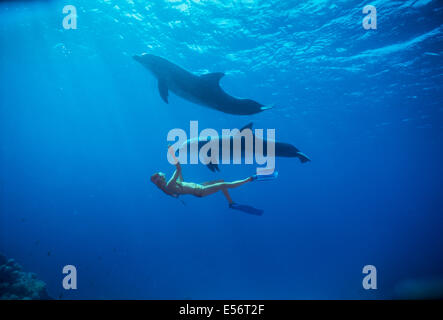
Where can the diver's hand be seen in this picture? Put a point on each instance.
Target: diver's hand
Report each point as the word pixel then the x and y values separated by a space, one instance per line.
pixel 171 150
pixel 172 153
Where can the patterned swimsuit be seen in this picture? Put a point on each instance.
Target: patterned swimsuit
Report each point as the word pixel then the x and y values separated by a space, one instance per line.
pixel 189 188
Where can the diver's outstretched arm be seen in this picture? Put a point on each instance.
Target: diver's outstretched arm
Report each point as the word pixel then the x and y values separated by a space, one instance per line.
pixel 178 171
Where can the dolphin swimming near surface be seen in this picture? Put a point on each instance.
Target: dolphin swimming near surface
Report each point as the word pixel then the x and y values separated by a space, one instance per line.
pixel 204 90
pixel 282 149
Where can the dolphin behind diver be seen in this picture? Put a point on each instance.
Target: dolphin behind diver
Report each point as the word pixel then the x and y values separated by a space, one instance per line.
pixel 204 90
pixel 282 149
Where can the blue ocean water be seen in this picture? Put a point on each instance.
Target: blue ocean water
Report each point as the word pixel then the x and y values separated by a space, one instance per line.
pixel 82 128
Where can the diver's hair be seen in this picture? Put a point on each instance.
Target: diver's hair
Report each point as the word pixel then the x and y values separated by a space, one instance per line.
pixel 153 176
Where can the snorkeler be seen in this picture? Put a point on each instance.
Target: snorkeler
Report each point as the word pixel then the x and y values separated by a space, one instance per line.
pixel 176 186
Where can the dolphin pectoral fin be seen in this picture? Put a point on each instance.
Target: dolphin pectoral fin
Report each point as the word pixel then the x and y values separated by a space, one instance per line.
pixel 213 78
pixel 303 158
pixel 213 167
pixel 163 90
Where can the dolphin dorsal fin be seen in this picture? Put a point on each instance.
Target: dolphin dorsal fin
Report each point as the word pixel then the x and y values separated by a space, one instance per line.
pixel 248 126
pixel 213 77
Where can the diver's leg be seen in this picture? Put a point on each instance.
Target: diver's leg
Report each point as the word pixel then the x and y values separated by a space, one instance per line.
pixel 238 183
pixel 227 196
pixel 207 183
pixel 213 188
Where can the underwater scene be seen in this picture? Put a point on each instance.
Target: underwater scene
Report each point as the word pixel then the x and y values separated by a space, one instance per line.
pixel 113 127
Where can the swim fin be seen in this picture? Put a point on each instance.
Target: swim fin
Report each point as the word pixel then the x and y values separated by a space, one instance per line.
pixel 246 209
pixel 265 177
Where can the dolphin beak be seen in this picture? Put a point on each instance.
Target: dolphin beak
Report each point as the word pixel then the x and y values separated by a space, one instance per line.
pixel 263 108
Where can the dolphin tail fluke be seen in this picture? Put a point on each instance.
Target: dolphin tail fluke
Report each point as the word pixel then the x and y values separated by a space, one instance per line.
pixel 213 167
pixel 248 126
pixel 303 158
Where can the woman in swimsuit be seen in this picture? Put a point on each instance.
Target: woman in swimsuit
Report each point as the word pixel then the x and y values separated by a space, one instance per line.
pixel 176 186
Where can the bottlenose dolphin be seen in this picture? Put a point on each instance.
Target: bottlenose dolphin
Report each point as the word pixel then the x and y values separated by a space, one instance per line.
pixel 282 149
pixel 204 90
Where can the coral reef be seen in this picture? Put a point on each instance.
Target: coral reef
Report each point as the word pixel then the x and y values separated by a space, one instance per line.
pixel 16 284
